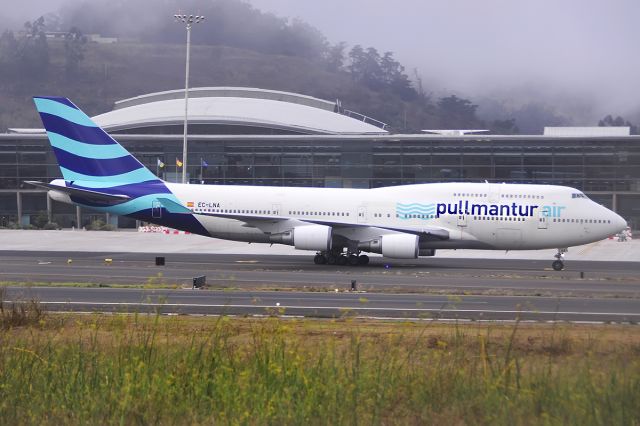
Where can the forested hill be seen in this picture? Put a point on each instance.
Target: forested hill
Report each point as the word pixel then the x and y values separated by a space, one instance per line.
pixel 116 71
pixel 237 45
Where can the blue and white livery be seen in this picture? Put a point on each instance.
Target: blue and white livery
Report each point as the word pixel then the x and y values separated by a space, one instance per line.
pixel 339 224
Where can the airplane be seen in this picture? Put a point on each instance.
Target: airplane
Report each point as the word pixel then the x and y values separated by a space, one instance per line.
pixel 340 224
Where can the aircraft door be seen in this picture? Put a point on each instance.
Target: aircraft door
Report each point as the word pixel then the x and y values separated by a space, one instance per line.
pixel 543 221
pixel 362 214
pixel 276 209
pixel 156 210
pixel 494 193
pixel 462 220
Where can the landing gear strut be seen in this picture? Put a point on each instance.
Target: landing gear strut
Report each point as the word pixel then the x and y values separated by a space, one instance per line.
pixel 338 257
pixel 558 264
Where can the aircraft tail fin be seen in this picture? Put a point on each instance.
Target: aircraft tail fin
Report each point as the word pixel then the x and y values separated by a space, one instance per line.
pixel 85 152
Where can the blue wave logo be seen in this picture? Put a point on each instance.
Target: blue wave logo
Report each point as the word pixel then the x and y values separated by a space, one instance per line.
pixel 415 210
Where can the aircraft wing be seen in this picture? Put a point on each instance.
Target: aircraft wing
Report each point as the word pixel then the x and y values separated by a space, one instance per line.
pixel 433 231
pixel 281 224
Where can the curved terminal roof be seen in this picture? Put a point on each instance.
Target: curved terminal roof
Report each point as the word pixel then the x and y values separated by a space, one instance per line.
pixel 237 106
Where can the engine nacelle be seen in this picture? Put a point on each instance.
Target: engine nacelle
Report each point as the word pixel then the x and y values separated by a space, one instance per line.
pixel 60 197
pixel 397 246
pixel 309 237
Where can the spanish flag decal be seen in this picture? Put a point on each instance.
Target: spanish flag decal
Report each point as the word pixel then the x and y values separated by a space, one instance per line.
pixel 189 203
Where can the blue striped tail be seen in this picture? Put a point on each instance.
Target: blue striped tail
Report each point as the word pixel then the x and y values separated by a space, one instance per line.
pixel 85 152
pixel 91 160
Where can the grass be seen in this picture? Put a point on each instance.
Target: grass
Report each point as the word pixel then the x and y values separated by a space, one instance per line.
pixel 20 314
pixel 151 282
pixel 139 369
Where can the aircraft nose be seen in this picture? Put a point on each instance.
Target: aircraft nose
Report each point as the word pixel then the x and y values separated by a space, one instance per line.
pixel 619 222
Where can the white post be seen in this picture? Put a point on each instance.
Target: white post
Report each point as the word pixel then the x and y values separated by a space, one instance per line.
pixel 189 20
pixel 186 107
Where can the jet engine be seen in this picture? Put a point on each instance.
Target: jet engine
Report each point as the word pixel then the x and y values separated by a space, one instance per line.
pixel 398 246
pixel 308 237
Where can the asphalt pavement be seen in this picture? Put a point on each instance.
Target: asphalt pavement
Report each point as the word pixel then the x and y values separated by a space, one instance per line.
pixel 601 281
pixel 331 305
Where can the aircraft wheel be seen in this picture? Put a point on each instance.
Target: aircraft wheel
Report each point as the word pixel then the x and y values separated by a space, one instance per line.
pixel 332 259
pixel 557 265
pixel 319 259
pixel 342 260
pixel 353 260
pixel 363 259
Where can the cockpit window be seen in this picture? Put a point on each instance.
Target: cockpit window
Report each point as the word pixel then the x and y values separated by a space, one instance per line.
pixel 578 195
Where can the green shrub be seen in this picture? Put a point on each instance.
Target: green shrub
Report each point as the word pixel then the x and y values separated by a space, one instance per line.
pixel 41 220
pixel 19 313
pixel 100 225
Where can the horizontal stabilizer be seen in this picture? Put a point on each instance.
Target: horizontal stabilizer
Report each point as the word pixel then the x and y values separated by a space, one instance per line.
pixel 173 207
pixel 85 194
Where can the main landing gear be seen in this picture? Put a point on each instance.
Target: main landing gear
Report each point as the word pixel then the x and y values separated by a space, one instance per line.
pixel 558 264
pixel 337 257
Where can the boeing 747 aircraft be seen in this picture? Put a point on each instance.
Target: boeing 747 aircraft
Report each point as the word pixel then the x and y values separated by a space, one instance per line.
pixel 340 225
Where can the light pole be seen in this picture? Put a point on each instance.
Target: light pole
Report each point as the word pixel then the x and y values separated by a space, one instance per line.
pixel 189 20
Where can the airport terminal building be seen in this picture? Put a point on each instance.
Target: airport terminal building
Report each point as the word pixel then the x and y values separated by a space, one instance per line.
pixel 244 136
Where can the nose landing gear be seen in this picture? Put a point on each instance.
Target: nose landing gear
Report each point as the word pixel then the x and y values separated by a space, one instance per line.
pixel 558 264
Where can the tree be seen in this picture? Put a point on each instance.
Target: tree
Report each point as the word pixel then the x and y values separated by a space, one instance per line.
pixel 74 42
pixel 9 55
pixel 305 41
pixel 357 61
pixel 394 77
pixel 609 121
pixel 380 72
pixel 33 50
pixel 390 68
pixel 457 112
pixel 373 76
pixel 335 57
pixel 504 127
pixel 533 117
pixel 365 67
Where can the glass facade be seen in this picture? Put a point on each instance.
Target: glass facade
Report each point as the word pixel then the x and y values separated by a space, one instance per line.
pixel 607 169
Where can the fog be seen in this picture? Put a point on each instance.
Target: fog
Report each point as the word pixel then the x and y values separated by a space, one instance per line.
pixel 577 55
pixel 566 51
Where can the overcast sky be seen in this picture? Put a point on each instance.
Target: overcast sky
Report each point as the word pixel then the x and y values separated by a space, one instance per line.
pixel 582 49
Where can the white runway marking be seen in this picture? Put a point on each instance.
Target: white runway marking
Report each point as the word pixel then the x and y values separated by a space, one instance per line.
pixel 345 308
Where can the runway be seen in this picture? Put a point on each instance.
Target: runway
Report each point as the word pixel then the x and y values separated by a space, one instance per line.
pixel 472 289
pixel 253 272
pixel 332 305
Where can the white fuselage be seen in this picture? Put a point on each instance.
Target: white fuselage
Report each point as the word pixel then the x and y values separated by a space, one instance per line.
pixel 476 215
